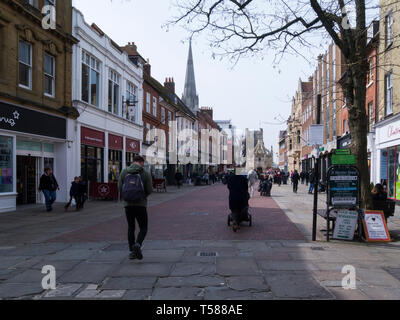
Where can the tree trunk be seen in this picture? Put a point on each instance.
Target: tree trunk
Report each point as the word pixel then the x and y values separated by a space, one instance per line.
pixel 358 122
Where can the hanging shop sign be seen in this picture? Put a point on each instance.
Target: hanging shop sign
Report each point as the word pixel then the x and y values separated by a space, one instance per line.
pixel 115 142
pixel 29 121
pixel 132 145
pixel 343 186
pixel 375 227
pixel 345 225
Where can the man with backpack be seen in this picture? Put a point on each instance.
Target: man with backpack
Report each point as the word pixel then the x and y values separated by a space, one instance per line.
pixel 135 185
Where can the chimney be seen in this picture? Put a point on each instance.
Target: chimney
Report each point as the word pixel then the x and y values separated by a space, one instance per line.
pixel 130 49
pixel 208 111
pixel 169 84
pixel 310 79
pixel 147 68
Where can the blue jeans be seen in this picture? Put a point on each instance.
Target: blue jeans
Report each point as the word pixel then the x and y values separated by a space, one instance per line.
pixel 50 197
pixel 311 187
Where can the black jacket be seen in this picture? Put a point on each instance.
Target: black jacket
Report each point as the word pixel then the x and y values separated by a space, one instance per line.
pixel 48 182
pixel 75 189
pixel 238 192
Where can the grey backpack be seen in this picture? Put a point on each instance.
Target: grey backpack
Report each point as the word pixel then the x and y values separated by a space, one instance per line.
pixel 133 189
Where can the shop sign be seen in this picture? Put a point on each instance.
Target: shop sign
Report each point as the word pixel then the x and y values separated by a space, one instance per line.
pixel 345 225
pixel 342 151
pixel 92 137
pixel 115 142
pixel 343 186
pixel 28 121
pixel 375 227
pixel 132 145
pixel 338 159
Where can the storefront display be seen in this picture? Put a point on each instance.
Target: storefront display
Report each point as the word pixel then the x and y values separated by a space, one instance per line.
pixel 6 164
pixel 115 149
pixel 92 155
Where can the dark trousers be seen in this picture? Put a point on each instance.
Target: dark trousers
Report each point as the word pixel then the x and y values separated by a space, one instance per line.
pixel 77 201
pixel 295 185
pixel 138 214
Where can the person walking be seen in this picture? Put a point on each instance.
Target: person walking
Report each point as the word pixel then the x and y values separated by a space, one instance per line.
pixel 253 177
pixel 74 193
pixel 178 179
pixel 135 185
pixel 82 192
pixel 312 181
pixel 295 179
pixel 49 186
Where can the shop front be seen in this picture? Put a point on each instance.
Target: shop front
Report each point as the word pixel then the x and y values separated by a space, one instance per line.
pixel 132 150
pixel 115 156
pixel 92 155
pixel 386 155
pixel 30 141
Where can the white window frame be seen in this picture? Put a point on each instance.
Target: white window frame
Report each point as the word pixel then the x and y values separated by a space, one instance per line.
pixel 131 90
pixel 389 93
pixel 389 29
pixel 115 80
pixel 154 109
pixel 96 68
pixel 52 95
pixel 24 63
pixel 163 117
pixel 148 98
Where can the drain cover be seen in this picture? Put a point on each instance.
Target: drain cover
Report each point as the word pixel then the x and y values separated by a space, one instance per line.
pixel 207 254
pixel 199 214
pixel 318 248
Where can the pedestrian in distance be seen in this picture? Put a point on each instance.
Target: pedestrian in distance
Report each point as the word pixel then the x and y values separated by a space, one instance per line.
pixel 252 177
pixel 82 192
pixel 307 178
pixel 178 179
pixel 74 194
pixel 295 179
pixel 312 181
pixel 49 186
pixel 135 185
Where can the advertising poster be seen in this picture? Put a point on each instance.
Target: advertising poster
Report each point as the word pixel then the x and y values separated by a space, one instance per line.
pixel 345 225
pixel 375 227
pixel 343 186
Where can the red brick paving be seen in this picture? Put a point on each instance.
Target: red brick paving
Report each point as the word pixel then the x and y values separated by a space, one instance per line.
pixel 172 220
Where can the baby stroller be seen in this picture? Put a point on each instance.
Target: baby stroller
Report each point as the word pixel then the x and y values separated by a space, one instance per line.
pixel 265 188
pixel 238 202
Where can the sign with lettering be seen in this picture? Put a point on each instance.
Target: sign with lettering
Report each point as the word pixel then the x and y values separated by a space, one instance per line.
pixel 338 159
pixel 345 225
pixel 92 137
pixel 375 227
pixel 343 186
pixel 24 120
pixel 132 145
pixel 115 142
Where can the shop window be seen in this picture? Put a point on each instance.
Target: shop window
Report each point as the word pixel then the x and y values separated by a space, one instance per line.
pixel 113 92
pixel 92 163
pixel 29 145
pixel 114 165
pixel 6 164
pixel 391 173
pixel 90 79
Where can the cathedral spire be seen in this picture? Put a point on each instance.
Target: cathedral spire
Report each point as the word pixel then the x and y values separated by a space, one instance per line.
pixel 190 97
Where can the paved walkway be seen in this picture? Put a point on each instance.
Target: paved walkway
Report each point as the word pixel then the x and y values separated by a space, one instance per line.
pixel 264 263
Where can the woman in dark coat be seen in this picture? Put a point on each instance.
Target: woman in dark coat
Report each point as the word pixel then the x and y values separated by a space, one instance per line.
pixel 238 199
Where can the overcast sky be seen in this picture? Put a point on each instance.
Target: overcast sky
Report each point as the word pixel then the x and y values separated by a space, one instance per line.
pixel 251 92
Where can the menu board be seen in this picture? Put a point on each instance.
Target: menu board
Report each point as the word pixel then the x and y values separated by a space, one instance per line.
pixel 6 164
pixel 345 225
pixel 343 186
pixel 375 226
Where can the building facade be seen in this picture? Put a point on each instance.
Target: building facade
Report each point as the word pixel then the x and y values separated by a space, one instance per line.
pixel 37 117
pixel 107 91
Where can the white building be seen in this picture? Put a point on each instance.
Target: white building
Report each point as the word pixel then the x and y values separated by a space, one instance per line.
pixel 107 91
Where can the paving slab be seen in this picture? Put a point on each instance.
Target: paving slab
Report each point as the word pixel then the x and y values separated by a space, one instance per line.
pixel 296 285
pixel 237 267
pixel 30 276
pixel 191 281
pixel 110 294
pixel 286 265
pixel 247 283
pixel 218 293
pixel 37 249
pixel 142 269
pixel 18 290
pixel 137 294
pixel 108 256
pixel 176 294
pixel 63 265
pixel 381 293
pixel 72 254
pixel 342 294
pixel 63 290
pixel 191 269
pixel 170 255
pixel 8 262
pixel 87 273
pixel 129 283
pixel 377 277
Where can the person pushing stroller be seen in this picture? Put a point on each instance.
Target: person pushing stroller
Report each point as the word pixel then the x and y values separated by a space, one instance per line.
pixel 238 200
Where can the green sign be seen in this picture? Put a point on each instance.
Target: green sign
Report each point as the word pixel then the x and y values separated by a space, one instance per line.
pixel 342 152
pixel 338 159
pixel 343 186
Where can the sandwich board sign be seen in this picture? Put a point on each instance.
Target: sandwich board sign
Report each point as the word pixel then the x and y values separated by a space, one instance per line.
pixel 375 227
pixel 345 225
pixel 343 186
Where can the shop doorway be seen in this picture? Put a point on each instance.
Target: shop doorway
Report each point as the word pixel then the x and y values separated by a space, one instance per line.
pixel 27 179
